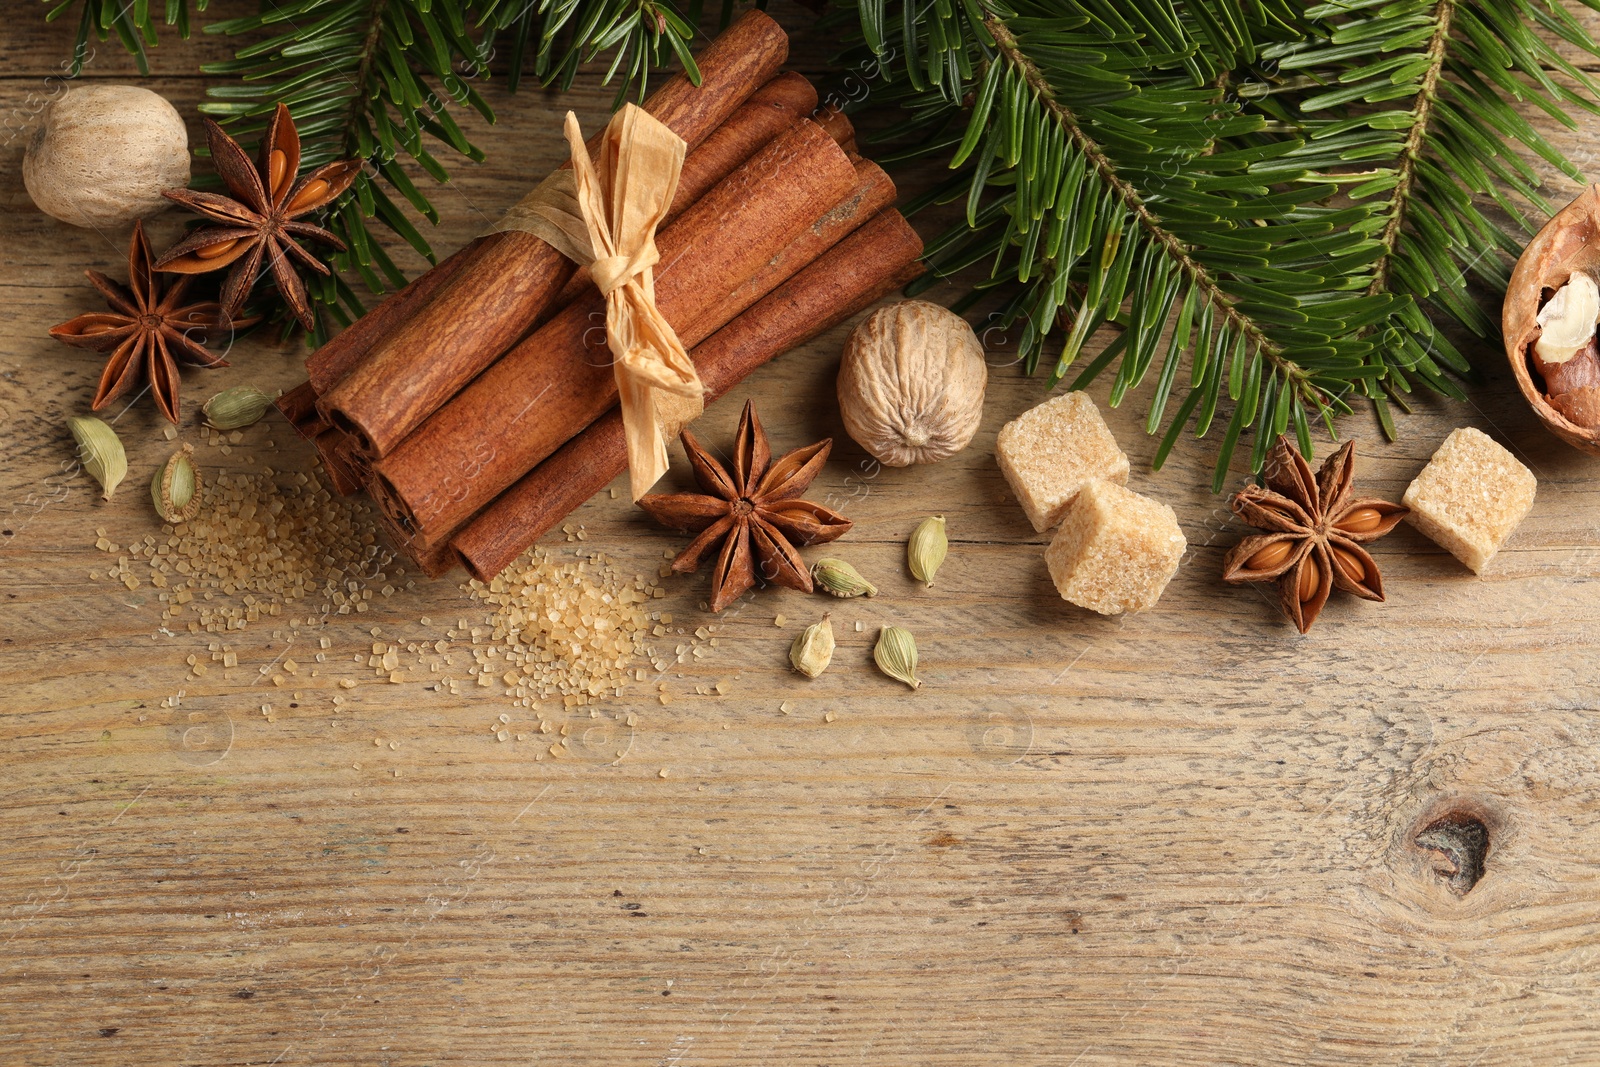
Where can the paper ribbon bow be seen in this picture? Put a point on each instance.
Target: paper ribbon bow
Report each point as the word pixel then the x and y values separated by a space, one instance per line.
pixel 605 217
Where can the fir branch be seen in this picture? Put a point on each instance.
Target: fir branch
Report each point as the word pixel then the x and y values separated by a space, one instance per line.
pixel 133 23
pixel 640 34
pixel 1164 197
pixel 1195 271
pixel 1411 152
pixel 1305 257
pixel 1458 144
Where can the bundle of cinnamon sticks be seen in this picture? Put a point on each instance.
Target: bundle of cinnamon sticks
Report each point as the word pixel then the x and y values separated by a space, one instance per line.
pixel 477 405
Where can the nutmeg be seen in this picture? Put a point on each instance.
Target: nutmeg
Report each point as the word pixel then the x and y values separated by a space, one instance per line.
pixel 103 153
pixel 1548 322
pixel 911 383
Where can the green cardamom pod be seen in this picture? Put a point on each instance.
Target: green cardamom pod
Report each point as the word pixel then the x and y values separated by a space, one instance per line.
pixel 100 451
pixel 236 408
pixel 896 655
pixel 839 578
pixel 176 487
pixel 812 651
pixel 927 548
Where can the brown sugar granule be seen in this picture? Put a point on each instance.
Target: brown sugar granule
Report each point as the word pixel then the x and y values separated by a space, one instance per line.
pixel 560 628
pixel 261 541
pixel 267 545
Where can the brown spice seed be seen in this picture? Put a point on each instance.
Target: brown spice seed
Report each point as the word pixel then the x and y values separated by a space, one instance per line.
pixel 1361 520
pixel 1310 578
pixel 1347 562
pixel 1271 556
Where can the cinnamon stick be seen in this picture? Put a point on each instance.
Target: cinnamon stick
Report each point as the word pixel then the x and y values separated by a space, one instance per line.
pixel 560 379
pixel 779 102
pixel 433 562
pixel 299 406
pixel 772 108
pixel 873 192
pixel 838 125
pixel 342 459
pixel 872 262
pixel 488 305
pixel 338 356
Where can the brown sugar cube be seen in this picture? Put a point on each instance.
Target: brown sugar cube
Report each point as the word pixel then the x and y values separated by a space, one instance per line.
pixel 1115 550
pixel 1470 497
pixel 1047 454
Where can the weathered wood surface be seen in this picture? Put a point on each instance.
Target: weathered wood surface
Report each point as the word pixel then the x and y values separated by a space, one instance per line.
pixel 1184 836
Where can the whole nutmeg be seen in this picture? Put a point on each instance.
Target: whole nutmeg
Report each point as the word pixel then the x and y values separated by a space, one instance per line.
pixel 911 383
pixel 103 153
pixel 1548 323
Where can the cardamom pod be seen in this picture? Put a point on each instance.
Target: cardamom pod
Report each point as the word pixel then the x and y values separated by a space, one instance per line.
pixel 896 655
pixel 176 487
pixel 812 651
pixel 100 451
pixel 839 578
pixel 927 548
pixel 236 408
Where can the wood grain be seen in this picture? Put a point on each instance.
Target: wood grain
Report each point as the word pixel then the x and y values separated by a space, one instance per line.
pixel 1180 837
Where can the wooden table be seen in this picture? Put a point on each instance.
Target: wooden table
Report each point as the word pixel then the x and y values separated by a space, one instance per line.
pixel 1177 837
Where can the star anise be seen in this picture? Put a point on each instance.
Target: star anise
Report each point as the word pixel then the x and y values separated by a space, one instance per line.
pixel 258 220
pixel 147 331
pixel 753 512
pixel 1314 532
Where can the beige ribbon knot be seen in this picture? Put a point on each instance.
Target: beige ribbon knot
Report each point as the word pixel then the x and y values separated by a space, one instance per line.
pixel 605 217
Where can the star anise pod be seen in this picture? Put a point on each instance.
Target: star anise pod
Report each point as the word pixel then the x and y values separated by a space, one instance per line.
pixel 1314 532
pixel 258 221
pixel 147 331
pixel 753 512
